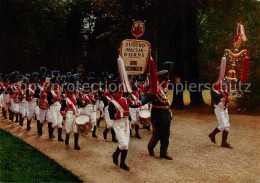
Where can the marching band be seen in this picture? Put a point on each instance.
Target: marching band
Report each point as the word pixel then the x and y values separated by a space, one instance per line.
pixel 65 101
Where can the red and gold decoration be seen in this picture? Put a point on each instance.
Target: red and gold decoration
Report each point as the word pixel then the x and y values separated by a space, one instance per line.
pixel 235 61
pixel 138 28
pixel 135 53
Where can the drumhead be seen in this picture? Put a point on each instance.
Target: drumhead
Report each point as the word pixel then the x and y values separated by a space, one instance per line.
pixel 82 119
pixel 145 114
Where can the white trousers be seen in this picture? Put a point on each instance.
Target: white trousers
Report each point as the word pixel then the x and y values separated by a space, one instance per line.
pixel 122 131
pixel 100 106
pixel 70 123
pixel 6 102
pixel 55 116
pixel 92 112
pixel 109 122
pixel 33 109
pixel 223 119
pixel 15 106
pixel 44 115
pixel 134 113
pixel 24 108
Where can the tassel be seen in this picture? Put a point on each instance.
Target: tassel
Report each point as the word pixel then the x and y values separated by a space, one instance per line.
pixel 123 76
pixel 244 70
pixel 153 77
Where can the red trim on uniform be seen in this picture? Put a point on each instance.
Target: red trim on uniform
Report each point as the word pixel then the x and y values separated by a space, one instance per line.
pixel 154 134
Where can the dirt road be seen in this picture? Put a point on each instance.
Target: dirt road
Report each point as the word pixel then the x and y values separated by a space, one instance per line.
pixel 196 159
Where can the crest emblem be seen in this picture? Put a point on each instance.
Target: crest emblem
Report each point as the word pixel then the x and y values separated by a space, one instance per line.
pixel 138 28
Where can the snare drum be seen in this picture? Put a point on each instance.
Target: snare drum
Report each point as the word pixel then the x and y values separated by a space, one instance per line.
pixel 145 117
pixel 84 124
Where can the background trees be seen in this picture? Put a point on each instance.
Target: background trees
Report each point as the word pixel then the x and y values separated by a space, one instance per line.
pixel 75 34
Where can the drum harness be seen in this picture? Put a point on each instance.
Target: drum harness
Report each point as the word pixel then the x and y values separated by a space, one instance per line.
pixel 121 110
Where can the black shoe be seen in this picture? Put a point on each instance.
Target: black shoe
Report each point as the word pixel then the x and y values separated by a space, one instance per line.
pixel 212 138
pixel 151 152
pixel 60 139
pixel 76 147
pixel 115 156
pixel 94 132
pixel 213 134
pixel 114 140
pixel 67 139
pixel 224 140
pixel 124 166
pixel 105 133
pixel 227 145
pixel 137 136
pixel 166 156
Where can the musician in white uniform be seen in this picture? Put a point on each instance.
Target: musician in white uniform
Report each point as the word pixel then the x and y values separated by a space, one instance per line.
pixel 119 112
pixel 106 98
pixel 32 96
pixel 44 111
pixel 221 99
pixel 54 99
pixel 69 107
pixel 134 110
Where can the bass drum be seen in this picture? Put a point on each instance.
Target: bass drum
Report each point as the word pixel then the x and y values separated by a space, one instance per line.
pixel 145 117
pixel 84 124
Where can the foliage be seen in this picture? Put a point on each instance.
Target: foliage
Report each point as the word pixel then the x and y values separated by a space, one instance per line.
pixel 20 162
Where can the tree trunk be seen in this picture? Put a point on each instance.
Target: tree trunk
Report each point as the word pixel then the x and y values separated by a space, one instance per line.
pixel 192 52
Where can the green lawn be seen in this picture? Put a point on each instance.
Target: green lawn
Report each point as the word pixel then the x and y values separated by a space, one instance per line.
pixel 20 162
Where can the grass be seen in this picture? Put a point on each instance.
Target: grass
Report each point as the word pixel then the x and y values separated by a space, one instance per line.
pixel 20 162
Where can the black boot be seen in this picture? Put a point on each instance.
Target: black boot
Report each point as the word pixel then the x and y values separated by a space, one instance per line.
pixel 131 132
pixel 115 156
pixel 213 134
pixel 4 113
pixel 98 121
pixel 50 131
pixel 67 139
pixel 28 125
pixel 224 140
pixel 122 163
pixel 137 132
pixel 76 140
pixel 10 115
pixel 105 133
pixel 40 128
pixel 94 132
pixel 21 120
pixel 59 135
pixel 16 117
pixel 113 135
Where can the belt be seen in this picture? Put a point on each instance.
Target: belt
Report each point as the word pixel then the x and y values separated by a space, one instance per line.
pixel 160 107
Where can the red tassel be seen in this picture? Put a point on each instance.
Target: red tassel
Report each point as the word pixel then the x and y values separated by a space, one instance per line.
pixel 245 70
pixel 153 77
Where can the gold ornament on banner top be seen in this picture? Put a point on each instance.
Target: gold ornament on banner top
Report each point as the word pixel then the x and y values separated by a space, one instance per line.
pixel 135 53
